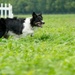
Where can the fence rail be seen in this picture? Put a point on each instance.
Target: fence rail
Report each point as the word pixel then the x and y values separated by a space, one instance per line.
pixel 6 10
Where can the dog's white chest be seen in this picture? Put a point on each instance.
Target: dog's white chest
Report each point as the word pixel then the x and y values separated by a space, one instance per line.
pixel 27 28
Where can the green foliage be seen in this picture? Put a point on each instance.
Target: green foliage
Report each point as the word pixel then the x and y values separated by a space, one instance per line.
pixel 44 6
pixel 51 51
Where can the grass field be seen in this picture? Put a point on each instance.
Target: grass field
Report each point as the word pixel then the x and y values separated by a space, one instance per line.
pixel 51 51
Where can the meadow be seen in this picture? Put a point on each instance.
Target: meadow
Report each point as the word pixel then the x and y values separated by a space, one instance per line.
pixel 51 51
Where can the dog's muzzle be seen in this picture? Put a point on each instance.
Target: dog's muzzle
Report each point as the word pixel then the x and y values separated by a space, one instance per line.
pixel 39 24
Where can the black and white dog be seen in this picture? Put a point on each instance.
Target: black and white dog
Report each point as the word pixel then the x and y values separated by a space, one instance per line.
pixel 20 27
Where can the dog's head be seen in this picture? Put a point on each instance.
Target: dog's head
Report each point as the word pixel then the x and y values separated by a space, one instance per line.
pixel 37 20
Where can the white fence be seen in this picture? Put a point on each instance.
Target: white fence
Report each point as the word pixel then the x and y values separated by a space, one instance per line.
pixel 6 11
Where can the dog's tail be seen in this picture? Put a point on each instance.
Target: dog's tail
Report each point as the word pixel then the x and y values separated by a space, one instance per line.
pixel 2 27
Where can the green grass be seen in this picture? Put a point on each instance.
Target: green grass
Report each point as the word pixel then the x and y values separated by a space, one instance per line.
pixel 51 51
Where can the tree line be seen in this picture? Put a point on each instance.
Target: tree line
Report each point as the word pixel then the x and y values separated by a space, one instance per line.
pixel 44 6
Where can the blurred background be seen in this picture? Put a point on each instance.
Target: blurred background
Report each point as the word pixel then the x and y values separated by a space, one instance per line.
pixel 44 6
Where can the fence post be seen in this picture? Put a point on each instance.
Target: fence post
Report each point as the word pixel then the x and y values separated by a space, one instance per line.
pixel 10 11
pixel 5 10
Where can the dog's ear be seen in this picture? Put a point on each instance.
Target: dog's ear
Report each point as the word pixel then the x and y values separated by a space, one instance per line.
pixel 34 14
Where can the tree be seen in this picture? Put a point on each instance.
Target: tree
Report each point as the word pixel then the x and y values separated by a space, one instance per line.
pixel 45 6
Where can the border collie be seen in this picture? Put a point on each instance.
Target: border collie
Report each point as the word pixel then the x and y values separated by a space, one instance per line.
pixel 20 27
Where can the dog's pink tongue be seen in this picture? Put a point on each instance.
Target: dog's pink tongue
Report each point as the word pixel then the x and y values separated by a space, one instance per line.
pixel 40 25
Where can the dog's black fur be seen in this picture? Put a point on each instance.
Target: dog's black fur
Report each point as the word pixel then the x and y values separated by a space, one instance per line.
pixel 14 25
